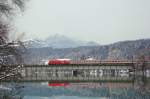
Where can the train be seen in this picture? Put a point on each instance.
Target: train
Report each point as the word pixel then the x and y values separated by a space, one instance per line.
pixel 58 61
pixel 66 61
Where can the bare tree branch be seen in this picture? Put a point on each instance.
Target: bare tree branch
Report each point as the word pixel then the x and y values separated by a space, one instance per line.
pixel 9 53
pixel 19 3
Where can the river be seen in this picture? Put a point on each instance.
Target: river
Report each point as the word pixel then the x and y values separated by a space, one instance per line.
pixel 139 88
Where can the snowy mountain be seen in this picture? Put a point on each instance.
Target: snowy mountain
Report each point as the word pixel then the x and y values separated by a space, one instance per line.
pixel 58 41
pixel 124 50
pixel 34 43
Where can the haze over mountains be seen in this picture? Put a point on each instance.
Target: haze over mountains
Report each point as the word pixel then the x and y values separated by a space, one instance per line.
pixel 58 41
pixel 124 50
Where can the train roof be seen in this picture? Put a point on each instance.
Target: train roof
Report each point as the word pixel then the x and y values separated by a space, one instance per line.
pixel 62 59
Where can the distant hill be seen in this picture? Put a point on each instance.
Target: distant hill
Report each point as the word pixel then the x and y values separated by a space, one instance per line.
pixel 124 50
pixel 57 41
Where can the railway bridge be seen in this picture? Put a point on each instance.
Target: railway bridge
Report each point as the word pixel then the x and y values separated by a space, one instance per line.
pixel 83 72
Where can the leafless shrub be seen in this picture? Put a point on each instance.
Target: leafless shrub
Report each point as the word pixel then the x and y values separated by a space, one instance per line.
pixel 10 53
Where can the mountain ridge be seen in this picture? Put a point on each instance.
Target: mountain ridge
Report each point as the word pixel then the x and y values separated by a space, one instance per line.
pixel 58 41
pixel 126 50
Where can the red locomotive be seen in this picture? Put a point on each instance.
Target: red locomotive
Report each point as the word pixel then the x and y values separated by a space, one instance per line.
pixel 59 61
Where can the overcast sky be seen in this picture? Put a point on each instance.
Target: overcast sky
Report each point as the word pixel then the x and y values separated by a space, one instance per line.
pixel 104 21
